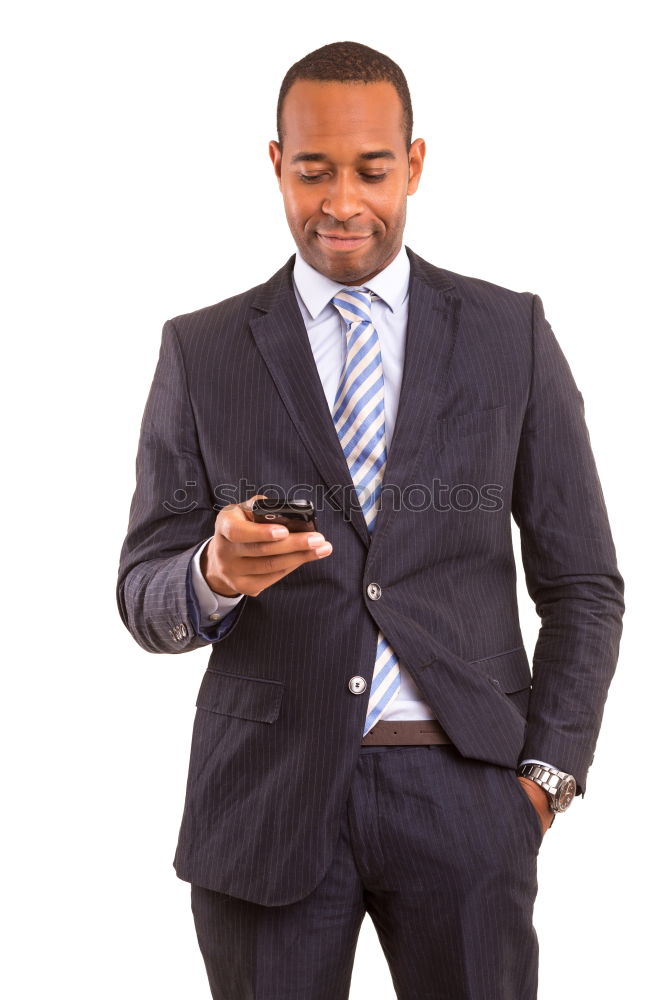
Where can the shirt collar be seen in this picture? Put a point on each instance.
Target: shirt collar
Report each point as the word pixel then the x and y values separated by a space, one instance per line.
pixel 316 290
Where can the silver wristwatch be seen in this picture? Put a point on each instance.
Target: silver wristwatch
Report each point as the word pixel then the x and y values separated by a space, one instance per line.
pixel 558 786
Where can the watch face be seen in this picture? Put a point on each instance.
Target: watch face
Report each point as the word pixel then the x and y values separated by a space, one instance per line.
pixel 565 794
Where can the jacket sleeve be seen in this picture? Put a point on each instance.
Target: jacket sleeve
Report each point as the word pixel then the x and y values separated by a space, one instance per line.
pixel 171 514
pixel 570 565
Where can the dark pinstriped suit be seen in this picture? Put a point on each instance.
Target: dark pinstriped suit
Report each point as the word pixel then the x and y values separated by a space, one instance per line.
pixel 487 398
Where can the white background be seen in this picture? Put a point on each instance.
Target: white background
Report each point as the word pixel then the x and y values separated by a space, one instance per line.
pixel 137 187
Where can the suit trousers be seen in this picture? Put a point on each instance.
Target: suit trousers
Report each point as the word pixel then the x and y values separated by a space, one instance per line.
pixel 440 850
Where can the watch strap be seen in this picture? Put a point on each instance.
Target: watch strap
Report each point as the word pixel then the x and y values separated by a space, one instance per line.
pixel 551 780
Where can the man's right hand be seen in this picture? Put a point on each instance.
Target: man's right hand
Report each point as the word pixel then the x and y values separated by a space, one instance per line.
pixel 243 557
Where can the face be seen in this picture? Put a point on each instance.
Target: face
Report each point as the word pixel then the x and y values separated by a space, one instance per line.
pixel 344 172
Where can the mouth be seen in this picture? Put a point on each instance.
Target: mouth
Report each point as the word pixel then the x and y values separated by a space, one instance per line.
pixel 343 242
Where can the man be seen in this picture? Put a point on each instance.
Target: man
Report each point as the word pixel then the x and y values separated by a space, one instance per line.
pixel 368 699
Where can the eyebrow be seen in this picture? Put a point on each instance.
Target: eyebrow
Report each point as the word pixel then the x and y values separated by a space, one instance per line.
pixel 375 154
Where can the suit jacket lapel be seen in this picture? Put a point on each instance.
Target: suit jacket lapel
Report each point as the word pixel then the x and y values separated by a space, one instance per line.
pixel 434 315
pixel 281 337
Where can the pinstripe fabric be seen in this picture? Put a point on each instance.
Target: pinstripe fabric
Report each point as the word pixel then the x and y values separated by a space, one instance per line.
pixel 450 886
pixel 487 402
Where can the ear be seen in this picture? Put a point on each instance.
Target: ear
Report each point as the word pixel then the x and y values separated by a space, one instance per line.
pixel 275 154
pixel 417 152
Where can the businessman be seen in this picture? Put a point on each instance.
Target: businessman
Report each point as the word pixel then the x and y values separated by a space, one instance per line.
pixel 369 736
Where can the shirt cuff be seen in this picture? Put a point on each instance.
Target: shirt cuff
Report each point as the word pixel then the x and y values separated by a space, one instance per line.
pixel 531 760
pixel 213 607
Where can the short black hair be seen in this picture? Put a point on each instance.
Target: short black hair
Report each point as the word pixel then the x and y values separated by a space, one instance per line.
pixel 349 62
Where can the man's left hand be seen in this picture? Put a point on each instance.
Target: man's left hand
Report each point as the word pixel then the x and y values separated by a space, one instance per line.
pixel 539 800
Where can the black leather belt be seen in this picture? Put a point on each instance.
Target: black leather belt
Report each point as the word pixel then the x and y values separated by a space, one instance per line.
pixel 392 734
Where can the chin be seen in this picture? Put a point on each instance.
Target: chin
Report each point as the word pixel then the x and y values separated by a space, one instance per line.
pixel 348 271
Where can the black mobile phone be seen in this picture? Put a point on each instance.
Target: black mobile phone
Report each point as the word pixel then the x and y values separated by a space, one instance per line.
pixel 296 515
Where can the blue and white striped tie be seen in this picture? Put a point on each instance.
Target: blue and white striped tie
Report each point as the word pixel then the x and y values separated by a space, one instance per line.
pixel 358 415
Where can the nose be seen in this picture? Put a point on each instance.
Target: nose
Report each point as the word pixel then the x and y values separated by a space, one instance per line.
pixel 342 200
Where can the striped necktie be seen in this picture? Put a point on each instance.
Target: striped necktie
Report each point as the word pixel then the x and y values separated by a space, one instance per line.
pixel 358 415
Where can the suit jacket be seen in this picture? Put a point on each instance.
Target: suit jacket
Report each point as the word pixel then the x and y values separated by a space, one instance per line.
pixel 489 411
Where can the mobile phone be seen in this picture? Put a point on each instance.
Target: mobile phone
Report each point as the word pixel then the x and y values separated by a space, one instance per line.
pixel 296 515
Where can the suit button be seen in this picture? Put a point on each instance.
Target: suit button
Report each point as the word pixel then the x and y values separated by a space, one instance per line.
pixel 357 685
pixel 374 591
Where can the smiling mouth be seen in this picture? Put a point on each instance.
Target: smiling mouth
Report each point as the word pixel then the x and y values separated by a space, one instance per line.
pixel 343 242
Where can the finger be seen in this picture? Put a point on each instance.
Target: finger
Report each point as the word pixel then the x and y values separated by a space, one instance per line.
pixel 296 541
pixel 254 583
pixel 279 565
pixel 246 505
pixel 235 524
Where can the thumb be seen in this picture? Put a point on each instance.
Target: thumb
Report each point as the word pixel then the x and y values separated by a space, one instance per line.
pixel 246 505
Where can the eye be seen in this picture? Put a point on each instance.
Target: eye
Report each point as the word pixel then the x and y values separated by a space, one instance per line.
pixel 311 178
pixel 373 178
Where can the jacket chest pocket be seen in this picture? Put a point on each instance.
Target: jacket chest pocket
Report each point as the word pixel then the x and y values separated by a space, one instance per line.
pixel 472 447
pixel 474 424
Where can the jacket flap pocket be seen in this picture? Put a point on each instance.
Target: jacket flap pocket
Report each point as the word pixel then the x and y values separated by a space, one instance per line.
pixel 251 698
pixel 509 671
